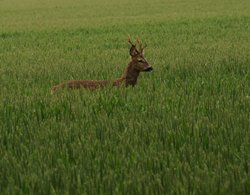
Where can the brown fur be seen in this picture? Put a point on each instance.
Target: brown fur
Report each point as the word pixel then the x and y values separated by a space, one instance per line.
pixel 136 65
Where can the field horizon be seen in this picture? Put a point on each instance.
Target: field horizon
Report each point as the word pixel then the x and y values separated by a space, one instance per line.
pixel 183 129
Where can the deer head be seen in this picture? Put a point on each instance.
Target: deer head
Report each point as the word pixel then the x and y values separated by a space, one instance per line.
pixel 137 57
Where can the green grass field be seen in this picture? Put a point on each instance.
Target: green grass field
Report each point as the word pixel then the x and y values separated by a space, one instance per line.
pixel 184 129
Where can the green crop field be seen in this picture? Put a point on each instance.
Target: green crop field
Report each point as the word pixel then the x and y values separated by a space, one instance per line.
pixel 183 129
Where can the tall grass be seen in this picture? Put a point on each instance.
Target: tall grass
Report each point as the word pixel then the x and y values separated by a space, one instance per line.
pixel 184 129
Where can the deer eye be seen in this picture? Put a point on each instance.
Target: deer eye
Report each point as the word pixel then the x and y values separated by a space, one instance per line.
pixel 140 60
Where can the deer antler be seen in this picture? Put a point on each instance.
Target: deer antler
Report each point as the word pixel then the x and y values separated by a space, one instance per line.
pixel 141 48
pixel 129 40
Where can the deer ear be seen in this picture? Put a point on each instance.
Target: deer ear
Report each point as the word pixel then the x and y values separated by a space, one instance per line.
pixel 133 51
pixel 142 52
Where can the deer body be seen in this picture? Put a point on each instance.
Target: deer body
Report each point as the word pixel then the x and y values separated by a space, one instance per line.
pixel 137 64
pixel 88 84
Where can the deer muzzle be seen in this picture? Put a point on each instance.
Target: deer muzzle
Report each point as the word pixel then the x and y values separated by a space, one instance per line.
pixel 149 69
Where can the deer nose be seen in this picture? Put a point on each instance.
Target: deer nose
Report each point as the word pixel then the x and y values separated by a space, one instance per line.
pixel 149 69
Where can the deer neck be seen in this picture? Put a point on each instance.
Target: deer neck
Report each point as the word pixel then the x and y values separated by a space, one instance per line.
pixel 131 74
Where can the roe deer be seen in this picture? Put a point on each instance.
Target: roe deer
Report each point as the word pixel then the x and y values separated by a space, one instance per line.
pixel 137 64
